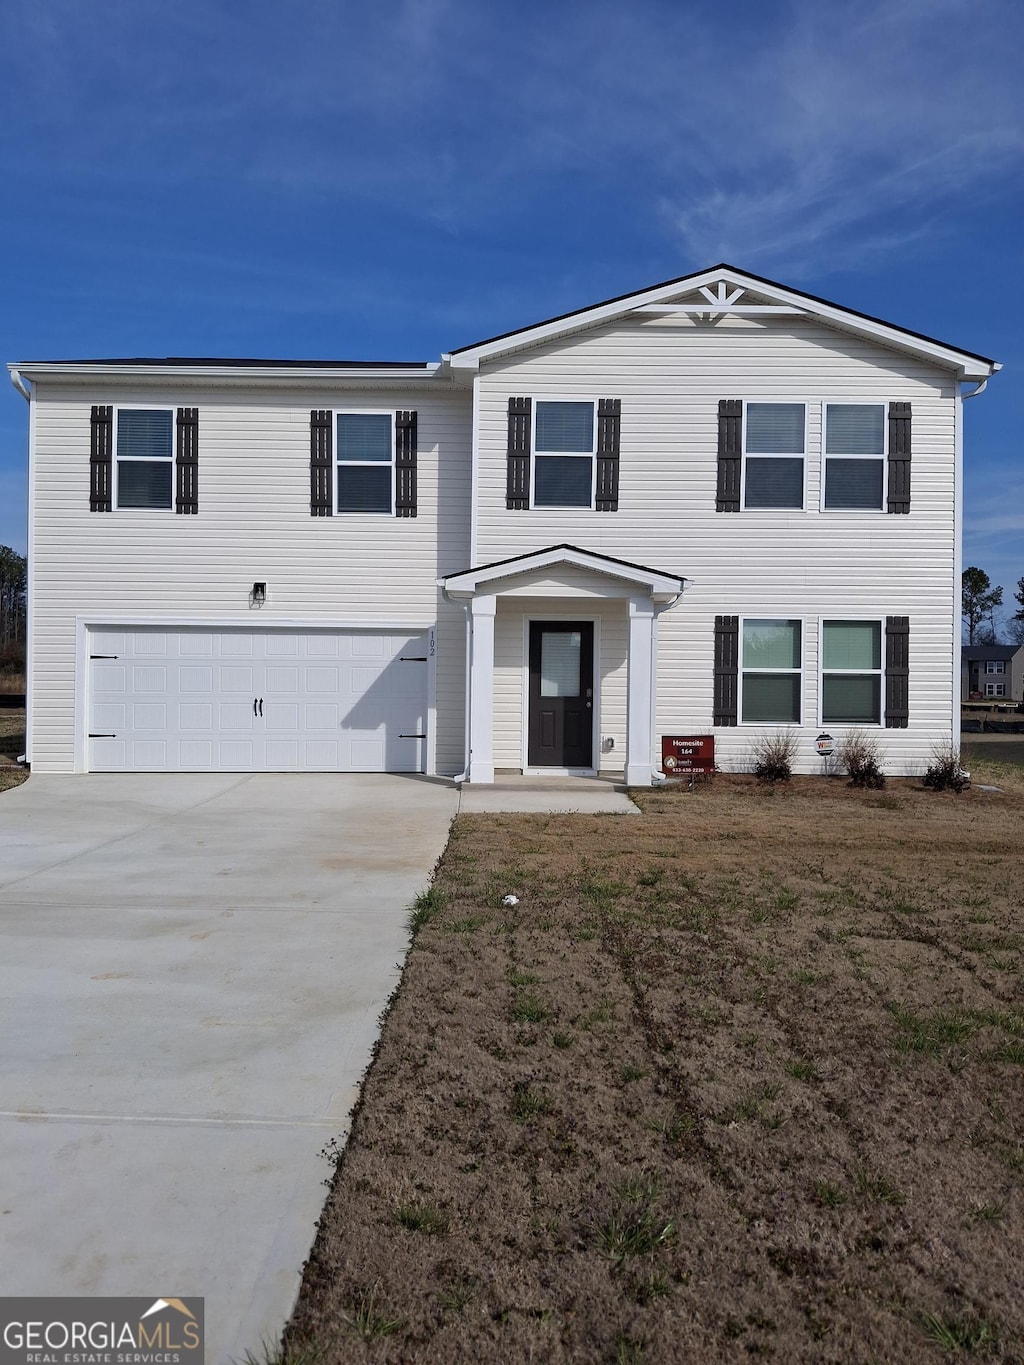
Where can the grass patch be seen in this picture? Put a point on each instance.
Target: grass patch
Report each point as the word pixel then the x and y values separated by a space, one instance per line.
pixel 793 1014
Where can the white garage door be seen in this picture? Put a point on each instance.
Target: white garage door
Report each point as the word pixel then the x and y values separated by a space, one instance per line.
pixel 256 701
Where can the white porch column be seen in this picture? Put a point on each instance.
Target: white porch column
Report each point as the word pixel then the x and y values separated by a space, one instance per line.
pixel 481 691
pixel 639 717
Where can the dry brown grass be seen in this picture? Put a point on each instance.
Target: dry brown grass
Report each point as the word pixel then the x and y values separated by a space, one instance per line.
pixel 744 1076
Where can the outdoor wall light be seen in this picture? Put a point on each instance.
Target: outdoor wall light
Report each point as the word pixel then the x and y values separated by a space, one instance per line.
pixel 258 595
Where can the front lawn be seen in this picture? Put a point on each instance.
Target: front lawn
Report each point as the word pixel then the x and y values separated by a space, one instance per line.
pixel 743 1076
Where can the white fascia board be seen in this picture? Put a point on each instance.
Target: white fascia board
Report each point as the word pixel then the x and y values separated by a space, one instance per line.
pixel 473 579
pixel 967 366
pixel 254 621
pixel 249 376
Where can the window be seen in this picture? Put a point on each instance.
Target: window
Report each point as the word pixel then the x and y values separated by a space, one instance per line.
pixel 995 689
pixel 144 442
pixel 854 457
pixel 851 672
pixel 365 461
pixel 995 666
pixel 773 455
pixel 771 677
pixel 563 455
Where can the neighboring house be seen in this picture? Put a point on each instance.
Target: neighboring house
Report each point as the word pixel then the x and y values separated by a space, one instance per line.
pixel 992 673
pixel 715 506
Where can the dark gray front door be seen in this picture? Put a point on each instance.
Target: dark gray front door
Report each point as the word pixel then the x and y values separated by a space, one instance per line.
pixel 561 712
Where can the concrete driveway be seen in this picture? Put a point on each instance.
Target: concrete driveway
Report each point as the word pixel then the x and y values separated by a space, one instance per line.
pixel 191 973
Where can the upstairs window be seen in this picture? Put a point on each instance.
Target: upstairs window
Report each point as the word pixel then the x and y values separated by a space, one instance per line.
pixel 144 443
pixel 854 457
pixel 851 678
pixel 995 666
pixel 774 441
pixel 563 454
pixel 365 461
pixel 771 672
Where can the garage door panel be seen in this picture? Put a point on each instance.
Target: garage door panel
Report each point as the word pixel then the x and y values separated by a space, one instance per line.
pixel 190 700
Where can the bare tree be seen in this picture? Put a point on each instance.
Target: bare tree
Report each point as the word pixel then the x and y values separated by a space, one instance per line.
pixel 13 582
pixel 978 601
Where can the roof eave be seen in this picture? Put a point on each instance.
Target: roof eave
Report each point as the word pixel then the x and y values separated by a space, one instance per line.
pixel 250 376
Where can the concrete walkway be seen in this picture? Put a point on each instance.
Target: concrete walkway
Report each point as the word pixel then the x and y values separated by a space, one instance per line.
pixel 516 794
pixel 192 968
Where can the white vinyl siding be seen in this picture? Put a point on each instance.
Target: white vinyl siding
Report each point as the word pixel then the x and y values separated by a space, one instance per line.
pixel 254 525
pixel 670 375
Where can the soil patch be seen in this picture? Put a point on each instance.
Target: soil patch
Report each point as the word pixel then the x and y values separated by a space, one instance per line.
pixel 744 1076
pixel 12 743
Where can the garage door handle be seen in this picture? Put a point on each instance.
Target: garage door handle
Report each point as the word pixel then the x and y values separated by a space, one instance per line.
pixel 261 706
pixel 254 706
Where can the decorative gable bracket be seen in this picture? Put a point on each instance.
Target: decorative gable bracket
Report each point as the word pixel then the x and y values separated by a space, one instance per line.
pixel 718 301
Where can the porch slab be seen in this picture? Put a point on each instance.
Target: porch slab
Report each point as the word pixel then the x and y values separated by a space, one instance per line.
pixel 513 794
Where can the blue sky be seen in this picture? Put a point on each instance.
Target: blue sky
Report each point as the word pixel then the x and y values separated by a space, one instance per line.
pixel 344 180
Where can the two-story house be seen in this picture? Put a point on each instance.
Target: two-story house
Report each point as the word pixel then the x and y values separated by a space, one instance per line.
pixel 992 673
pixel 715 506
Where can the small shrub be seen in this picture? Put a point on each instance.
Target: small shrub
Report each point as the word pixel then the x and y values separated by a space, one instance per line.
pixel 860 754
pixel 946 772
pixel 772 756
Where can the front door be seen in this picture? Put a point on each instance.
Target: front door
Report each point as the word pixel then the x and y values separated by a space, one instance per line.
pixel 561 712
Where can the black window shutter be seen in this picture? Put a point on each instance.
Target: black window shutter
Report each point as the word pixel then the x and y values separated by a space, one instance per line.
pixel 730 455
pixel 405 464
pixel 517 485
pixel 727 654
pixel 186 461
pixel 100 459
pixel 321 450
pixel 609 422
pixel 897 672
pixel 899 458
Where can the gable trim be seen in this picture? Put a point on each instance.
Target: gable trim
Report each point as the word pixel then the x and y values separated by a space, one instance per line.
pixel 653 580
pixel 971 365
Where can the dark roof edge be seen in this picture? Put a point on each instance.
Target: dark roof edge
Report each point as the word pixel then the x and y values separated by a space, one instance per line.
pixel 245 363
pixel 564 545
pixel 760 279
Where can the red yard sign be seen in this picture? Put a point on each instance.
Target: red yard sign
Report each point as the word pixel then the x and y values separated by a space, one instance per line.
pixel 682 755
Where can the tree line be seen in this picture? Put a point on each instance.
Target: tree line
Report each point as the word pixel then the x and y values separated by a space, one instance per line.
pixel 978 603
pixel 13 585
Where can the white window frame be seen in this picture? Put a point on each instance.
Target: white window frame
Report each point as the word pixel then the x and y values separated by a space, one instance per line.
pixel 154 459
pixel 996 667
pixel 852 672
pixel 882 459
pixel 774 401
pixel 741 671
pixel 372 464
pixel 995 689
pixel 562 454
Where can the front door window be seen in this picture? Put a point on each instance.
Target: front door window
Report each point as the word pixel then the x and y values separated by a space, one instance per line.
pixel 561 711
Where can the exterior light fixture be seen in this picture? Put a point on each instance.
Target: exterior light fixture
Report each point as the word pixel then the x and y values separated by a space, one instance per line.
pixel 258 595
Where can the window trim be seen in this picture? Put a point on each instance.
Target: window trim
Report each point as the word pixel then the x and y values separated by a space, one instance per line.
pixel 879 672
pixel 169 460
pixel 741 671
pixel 995 668
pixel 882 459
pixel 567 454
pixel 776 401
pixel 374 464
pixel 994 689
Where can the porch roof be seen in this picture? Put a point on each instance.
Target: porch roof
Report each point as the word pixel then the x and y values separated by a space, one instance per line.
pixel 656 582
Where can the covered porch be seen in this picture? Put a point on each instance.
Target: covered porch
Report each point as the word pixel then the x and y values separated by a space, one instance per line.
pixel 562 650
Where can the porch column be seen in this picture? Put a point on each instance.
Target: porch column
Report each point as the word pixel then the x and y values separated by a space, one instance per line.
pixel 481 691
pixel 640 690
